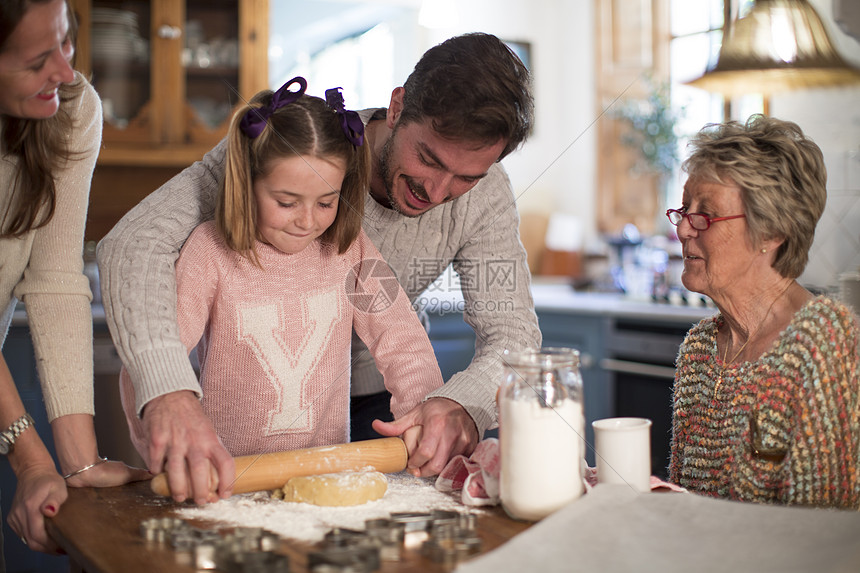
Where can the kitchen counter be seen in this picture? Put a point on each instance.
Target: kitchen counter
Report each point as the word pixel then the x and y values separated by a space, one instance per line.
pixel 563 298
pixel 548 296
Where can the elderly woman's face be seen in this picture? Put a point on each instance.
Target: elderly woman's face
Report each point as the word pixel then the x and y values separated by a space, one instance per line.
pixel 35 61
pixel 717 258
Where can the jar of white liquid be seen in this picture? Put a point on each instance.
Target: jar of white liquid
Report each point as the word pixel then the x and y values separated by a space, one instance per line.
pixel 541 432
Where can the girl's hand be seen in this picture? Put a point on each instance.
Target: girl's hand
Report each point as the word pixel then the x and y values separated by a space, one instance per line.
pixel 39 494
pixel 108 474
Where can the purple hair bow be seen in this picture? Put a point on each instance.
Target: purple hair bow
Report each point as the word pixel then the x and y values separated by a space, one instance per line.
pixel 254 121
pixel 350 122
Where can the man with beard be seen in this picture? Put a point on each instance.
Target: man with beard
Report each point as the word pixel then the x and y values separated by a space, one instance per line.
pixel 438 196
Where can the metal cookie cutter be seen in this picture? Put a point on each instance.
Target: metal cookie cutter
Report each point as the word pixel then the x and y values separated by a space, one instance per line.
pixel 416 527
pixel 248 550
pixel 206 555
pixel 355 559
pixel 341 538
pixel 158 529
pixel 243 550
pixel 389 534
pixel 255 562
pixel 453 538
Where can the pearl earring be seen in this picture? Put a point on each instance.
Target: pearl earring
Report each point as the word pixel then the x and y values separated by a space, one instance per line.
pixel 764 251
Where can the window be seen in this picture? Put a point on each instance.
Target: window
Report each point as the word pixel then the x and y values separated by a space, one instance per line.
pixel 337 44
pixel 362 65
pixel 696 32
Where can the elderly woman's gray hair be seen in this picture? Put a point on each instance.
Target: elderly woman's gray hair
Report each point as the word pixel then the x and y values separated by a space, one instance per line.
pixel 781 176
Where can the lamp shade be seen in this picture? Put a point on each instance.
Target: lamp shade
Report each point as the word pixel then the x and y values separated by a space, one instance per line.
pixel 779 45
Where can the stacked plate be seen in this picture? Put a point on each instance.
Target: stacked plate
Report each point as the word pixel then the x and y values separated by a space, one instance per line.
pixel 116 36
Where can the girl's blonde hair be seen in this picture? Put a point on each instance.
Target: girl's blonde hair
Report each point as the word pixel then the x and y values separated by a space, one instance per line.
pixel 307 127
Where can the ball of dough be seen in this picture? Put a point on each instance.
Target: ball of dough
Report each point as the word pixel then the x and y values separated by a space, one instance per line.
pixel 340 489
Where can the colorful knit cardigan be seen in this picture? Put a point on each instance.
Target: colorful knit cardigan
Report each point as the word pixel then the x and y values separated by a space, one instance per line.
pixel 782 429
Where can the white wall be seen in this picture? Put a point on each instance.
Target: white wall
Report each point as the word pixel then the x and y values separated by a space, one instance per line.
pixel 555 170
pixel 832 118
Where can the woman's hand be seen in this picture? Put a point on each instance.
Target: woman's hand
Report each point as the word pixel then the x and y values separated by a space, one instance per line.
pixel 108 474
pixel 39 494
pixel 75 440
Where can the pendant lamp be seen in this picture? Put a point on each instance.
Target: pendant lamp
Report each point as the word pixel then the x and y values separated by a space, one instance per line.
pixel 779 45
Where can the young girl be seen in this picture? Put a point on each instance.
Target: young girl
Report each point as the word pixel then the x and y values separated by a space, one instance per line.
pixel 273 288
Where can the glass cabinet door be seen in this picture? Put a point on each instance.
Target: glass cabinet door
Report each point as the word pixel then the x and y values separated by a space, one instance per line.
pixel 120 64
pixel 169 72
pixel 210 59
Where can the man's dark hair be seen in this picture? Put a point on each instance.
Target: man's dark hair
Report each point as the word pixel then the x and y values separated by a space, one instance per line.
pixel 472 88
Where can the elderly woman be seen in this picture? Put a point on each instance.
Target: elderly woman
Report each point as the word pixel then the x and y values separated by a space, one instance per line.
pixel 50 133
pixel 765 402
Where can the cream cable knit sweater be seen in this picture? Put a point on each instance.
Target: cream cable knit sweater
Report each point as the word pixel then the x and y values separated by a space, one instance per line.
pixel 44 269
pixel 478 232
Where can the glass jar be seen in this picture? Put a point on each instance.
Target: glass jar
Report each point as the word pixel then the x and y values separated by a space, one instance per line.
pixel 541 432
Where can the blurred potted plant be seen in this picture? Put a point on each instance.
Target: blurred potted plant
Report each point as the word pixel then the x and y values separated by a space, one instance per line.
pixel 652 134
pixel 652 131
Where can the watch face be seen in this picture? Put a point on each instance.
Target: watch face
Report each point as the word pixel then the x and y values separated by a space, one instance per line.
pixel 4 445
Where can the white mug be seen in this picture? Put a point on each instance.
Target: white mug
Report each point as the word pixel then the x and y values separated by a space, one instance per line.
pixel 623 451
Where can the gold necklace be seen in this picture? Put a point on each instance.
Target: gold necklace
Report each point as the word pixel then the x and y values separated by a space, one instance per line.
pixel 750 337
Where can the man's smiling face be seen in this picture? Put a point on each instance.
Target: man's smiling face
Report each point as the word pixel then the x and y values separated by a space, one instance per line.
pixel 420 169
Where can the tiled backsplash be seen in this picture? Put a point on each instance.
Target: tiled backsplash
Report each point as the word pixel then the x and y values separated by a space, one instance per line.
pixel 837 238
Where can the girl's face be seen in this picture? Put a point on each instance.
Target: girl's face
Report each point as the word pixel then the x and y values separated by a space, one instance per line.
pixel 297 201
pixel 35 61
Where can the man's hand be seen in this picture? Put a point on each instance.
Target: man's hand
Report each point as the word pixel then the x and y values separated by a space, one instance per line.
pixel 180 434
pixel 434 432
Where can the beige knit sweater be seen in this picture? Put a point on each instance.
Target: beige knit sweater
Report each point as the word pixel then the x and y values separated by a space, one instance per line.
pixel 44 269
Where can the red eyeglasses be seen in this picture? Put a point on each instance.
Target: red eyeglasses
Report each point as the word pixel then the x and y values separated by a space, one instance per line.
pixel 698 221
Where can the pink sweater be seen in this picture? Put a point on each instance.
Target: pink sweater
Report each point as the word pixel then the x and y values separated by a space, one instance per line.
pixel 275 342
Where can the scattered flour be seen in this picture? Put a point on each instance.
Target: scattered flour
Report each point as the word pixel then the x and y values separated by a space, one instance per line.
pixel 305 522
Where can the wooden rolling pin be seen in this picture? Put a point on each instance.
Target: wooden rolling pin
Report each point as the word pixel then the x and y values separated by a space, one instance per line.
pixel 270 471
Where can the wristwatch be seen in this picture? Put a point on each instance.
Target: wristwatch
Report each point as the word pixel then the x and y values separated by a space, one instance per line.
pixel 10 434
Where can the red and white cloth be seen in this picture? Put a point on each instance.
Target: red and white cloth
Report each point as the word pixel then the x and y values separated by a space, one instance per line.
pixel 477 475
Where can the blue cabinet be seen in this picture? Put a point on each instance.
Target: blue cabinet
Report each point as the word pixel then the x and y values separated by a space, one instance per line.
pixel 454 344
pixel 585 333
pixel 18 352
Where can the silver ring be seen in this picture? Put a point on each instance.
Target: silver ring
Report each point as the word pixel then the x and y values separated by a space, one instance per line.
pixel 24 540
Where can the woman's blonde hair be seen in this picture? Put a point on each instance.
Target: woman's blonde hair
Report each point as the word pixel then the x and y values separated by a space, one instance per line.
pixel 40 145
pixel 308 127
pixel 781 176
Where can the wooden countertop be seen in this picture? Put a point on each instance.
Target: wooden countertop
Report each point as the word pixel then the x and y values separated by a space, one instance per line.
pixel 100 530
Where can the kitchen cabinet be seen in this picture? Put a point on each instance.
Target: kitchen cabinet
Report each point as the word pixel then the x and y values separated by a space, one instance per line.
pixel 170 74
pixel 453 342
pixel 586 334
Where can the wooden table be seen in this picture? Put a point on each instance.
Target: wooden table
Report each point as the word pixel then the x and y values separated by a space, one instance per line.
pixel 100 530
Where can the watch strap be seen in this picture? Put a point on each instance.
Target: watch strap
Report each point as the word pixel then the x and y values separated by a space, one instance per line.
pixel 10 435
